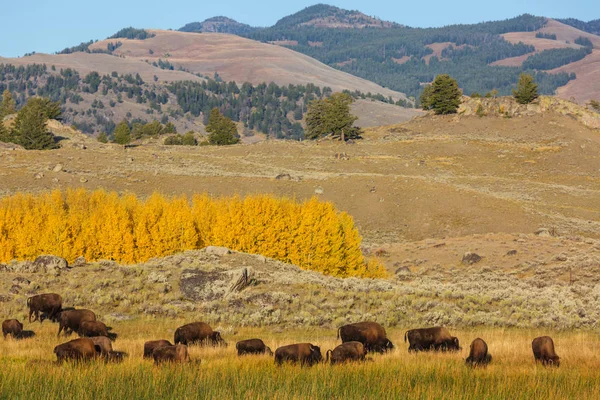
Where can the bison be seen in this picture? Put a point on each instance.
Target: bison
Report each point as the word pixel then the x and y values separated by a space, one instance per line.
pixel 12 327
pixel 154 344
pixel 304 353
pixel 49 304
pixel 95 328
pixel 70 321
pixel 370 334
pixel 115 356
pixel 252 346
pixel 479 353
pixel 349 351
pixel 543 351
pixel 103 344
pixel 177 353
pixel 81 349
pixel 198 332
pixel 437 338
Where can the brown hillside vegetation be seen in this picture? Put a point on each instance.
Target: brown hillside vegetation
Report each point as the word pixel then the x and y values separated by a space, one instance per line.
pixel 239 59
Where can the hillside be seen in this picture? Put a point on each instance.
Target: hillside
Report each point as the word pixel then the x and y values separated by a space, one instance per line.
pixel 218 25
pixel 326 16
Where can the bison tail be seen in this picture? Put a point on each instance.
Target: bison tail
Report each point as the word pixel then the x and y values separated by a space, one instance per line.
pixel 327 355
pixel 338 332
pixel 405 336
pixel 28 301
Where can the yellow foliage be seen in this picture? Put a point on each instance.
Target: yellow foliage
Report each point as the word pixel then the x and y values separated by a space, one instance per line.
pixel 100 225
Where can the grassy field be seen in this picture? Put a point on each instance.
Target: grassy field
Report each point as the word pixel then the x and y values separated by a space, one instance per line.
pixel 29 371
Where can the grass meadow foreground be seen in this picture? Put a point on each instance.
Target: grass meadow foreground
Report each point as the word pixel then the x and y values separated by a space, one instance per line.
pixel 29 371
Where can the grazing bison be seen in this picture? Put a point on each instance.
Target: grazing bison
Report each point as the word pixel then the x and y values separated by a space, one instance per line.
pixel 49 304
pixel 304 353
pixel 370 334
pixel 12 327
pixel 102 344
pixel 543 351
pixel 115 356
pixel 154 344
pixel 349 351
pixel 177 353
pixel 70 321
pixel 431 339
pixel 252 346
pixel 198 332
pixel 479 353
pixel 78 349
pixel 95 328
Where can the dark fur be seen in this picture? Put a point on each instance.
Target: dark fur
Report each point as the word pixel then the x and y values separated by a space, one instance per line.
pixel 177 353
pixel 425 339
pixel 81 349
pixel 70 321
pixel 198 333
pixel 252 346
pixel 349 351
pixel 12 327
pixel 304 353
pixel 154 344
pixel 479 356
pixel 543 351
pixel 370 334
pixel 49 304
pixel 95 328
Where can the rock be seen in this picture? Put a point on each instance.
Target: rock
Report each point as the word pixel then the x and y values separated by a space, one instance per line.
pixel 57 168
pixel 217 250
pixel 403 270
pixel 157 277
pixel 118 317
pixel 39 175
pixel 14 289
pixel 543 232
pixel 19 280
pixel 284 177
pixel 79 262
pixel 83 180
pixel 50 264
pixel 561 257
pixel 471 258
pixel 261 259
pixel 55 180
pixel 511 253
pixel 5 298
pixel 319 190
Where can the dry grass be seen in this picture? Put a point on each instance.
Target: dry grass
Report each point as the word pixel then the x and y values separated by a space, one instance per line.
pixel 28 369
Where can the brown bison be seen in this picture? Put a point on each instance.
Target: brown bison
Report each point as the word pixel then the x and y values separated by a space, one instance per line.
pixel 70 321
pixel 12 327
pixel 154 344
pixel 174 354
pixel 370 334
pixel 437 338
pixel 95 328
pixel 115 356
pixel 479 353
pixel 543 351
pixel 78 350
pixel 304 353
pixel 252 346
pixel 349 351
pixel 198 332
pixel 103 344
pixel 49 304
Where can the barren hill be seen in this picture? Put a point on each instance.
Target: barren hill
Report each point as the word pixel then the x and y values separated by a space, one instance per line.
pixel 242 60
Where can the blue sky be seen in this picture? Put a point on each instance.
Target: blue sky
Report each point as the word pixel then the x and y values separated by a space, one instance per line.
pixel 48 26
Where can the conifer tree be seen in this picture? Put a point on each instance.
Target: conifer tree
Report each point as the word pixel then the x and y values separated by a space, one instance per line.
pixel 8 104
pixel 527 89
pixel 50 108
pixel 331 116
pixel 442 96
pixel 4 133
pixel 30 129
pixel 122 133
pixel 189 139
pixel 102 137
pixel 222 130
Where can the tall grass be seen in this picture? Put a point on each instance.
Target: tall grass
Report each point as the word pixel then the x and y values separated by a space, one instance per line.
pixel 99 225
pixel 29 372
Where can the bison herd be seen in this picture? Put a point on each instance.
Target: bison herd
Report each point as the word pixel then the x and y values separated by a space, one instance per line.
pixel 358 339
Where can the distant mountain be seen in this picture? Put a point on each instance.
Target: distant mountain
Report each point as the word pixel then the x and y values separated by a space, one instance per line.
pixel 218 25
pixel 326 16
pixel 589 27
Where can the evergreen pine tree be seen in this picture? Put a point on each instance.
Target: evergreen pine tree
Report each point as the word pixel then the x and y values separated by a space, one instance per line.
pixel 443 96
pixel 331 116
pixel 30 129
pixel 103 138
pixel 189 139
pixel 8 104
pixel 526 91
pixel 50 108
pixel 222 130
pixel 122 133
pixel 4 134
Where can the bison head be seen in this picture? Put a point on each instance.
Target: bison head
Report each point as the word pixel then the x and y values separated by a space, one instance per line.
pixel 268 350
pixel 216 339
pixel 315 354
pixel 387 344
pixel 455 343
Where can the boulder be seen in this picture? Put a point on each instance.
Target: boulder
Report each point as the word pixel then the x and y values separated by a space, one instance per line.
pixel 157 277
pixel 57 168
pixel 19 280
pixel 48 263
pixel 217 250
pixel 471 258
pixel 543 232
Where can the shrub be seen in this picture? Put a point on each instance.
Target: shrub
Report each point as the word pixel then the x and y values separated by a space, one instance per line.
pixel 526 91
pixel 175 140
pixel 98 225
